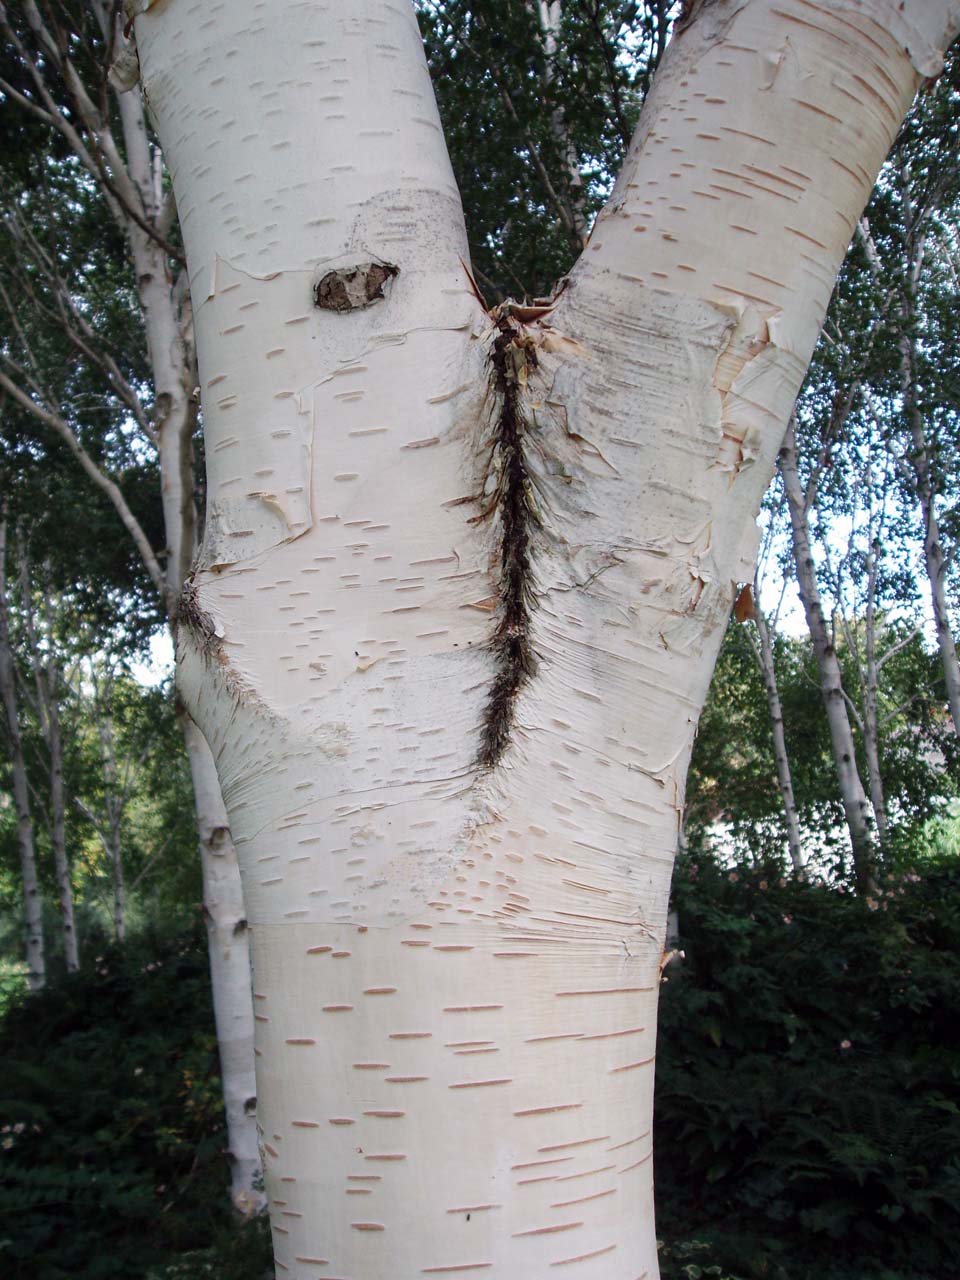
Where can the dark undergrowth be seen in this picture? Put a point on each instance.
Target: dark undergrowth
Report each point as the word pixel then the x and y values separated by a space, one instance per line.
pixel 807 1125
pixel 111 1150
pixel 807 1117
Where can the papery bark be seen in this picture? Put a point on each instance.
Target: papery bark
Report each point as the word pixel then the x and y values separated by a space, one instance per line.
pixel 225 918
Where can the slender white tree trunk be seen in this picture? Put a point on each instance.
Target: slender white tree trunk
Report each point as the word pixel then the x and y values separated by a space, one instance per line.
pixel 936 573
pixel 115 795
pixel 550 17
pixel 227 933
pixel 919 461
pixel 58 818
pixel 921 465
pixel 856 806
pixel 32 899
pixel 768 673
pixel 463 582
pixel 44 661
pixel 168 327
pixel 127 164
pixel 119 887
pixel 871 684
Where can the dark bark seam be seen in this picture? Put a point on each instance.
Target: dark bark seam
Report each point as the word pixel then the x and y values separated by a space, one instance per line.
pixel 515 661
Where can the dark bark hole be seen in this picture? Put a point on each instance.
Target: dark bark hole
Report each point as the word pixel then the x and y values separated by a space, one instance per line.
pixel 352 288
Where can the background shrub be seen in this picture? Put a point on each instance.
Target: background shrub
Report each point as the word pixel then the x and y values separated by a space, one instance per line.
pixel 807 1119
pixel 112 1144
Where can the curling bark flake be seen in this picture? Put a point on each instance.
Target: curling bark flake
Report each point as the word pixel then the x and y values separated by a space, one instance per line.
pixel 456 966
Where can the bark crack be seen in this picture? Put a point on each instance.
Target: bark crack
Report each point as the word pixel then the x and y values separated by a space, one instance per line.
pixel 513 356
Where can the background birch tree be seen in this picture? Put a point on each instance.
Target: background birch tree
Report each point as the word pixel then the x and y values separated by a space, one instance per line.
pixel 106 162
pixel 463 581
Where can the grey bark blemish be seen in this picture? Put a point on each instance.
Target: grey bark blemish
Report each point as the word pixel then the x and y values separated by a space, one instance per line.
pixel 352 288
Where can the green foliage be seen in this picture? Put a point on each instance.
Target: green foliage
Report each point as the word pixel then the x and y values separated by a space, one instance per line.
pixel 537 127
pixel 690 1260
pixel 111 1126
pixel 159 849
pixel 733 781
pixel 807 1124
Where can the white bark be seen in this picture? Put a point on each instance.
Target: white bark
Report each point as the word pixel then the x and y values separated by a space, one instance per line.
pixel 456 968
pixel 936 572
pixel 870 683
pixel 32 899
pixel 226 922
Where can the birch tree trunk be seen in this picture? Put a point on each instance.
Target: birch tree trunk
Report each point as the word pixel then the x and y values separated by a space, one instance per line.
pixel 920 462
pixel 871 682
pixel 763 650
pixel 58 820
pixel 936 565
pixel 225 918
pixel 47 683
pixel 463 582
pixel 856 806
pixel 116 793
pixel 32 899
pixel 106 131
pixel 550 18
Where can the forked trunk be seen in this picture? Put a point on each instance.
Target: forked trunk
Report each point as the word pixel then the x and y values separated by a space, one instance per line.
pixel 463 583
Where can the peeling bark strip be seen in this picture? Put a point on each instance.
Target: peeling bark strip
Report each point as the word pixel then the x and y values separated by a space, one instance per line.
pixel 350 288
pixel 512 357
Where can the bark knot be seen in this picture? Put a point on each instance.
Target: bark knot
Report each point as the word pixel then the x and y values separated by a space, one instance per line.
pixel 352 288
